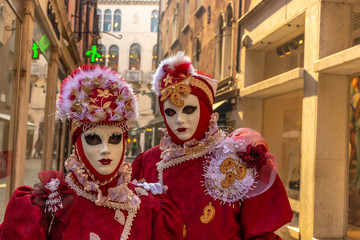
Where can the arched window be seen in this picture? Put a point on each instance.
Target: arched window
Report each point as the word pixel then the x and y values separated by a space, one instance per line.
pixel 113 57
pixel 100 18
pixel 102 60
pixel 154 21
pixel 117 21
pixel 135 57
pixel 154 58
pixel 107 20
pixel 219 46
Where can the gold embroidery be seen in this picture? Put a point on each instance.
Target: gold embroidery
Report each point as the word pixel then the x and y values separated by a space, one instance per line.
pixel 209 213
pixel 226 166
pixel 184 231
pixel 168 80
pixel 174 91
pixel 194 149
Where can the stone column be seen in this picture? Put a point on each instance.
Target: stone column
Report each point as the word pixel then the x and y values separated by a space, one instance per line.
pixel 50 108
pixel 18 167
pixel 324 144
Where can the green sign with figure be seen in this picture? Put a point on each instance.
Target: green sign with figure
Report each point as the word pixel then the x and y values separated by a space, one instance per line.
pixel 35 49
pixel 93 53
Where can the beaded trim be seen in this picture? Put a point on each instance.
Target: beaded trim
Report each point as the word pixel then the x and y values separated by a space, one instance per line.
pixel 124 125
pixel 132 209
pixel 224 179
pixel 173 155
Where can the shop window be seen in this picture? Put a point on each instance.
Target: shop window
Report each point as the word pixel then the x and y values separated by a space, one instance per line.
pixel 285 57
pixel 113 58
pixel 102 60
pixel 282 131
pixel 154 21
pixel 154 58
pixel 8 81
pixel 100 18
pixel 135 57
pixel 107 20
pixel 117 21
pixel 353 229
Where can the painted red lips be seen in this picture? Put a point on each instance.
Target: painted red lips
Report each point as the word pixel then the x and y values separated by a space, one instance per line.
pixel 181 129
pixel 105 161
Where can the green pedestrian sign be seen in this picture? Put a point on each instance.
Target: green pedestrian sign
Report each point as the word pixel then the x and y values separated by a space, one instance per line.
pixel 35 49
pixel 93 53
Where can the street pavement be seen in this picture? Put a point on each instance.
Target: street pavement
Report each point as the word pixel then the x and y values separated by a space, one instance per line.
pixel 32 167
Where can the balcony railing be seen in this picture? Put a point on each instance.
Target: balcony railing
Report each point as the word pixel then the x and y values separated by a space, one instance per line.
pixel 133 76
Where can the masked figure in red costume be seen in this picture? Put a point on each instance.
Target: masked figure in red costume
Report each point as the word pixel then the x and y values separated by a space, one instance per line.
pixel 225 186
pixel 95 201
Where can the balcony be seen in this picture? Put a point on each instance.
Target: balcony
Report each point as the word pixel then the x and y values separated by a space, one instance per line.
pixel 133 76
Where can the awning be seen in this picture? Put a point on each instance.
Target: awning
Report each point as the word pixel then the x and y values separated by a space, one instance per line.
pixel 7 117
pixel 222 106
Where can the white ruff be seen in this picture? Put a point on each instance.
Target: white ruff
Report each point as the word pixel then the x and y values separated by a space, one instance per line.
pixel 173 154
pixel 217 147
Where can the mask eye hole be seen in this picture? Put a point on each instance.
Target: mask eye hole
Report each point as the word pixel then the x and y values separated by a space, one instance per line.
pixel 189 109
pixel 93 139
pixel 115 138
pixel 170 112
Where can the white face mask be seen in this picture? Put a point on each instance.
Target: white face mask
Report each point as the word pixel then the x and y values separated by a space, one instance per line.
pixel 103 147
pixel 183 121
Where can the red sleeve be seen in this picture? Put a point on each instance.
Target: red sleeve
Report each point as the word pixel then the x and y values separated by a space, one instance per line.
pixel 23 220
pixel 265 213
pixel 137 167
pixel 168 224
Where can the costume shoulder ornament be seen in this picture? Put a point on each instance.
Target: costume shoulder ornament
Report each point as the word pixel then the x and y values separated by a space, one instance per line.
pixel 240 167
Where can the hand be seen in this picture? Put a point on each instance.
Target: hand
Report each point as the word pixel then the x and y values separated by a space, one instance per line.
pixel 154 188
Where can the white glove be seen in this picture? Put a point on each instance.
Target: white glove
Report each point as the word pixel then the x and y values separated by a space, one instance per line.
pixel 154 188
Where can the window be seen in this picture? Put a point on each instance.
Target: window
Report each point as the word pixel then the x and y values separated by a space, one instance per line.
pixel 2 20
pixel 100 18
pixel 154 21
pixel 102 51
pixel 136 19
pixel 282 131
pixel 175 24
pixel 154 58
pixel 218 47
pixel 353 228
pixel 113 58
pixel 107 20
pixel 186 12
pixel 135 57
pixel 117 21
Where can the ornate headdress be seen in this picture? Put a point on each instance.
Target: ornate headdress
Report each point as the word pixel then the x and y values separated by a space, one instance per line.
pixel 176 76
pixel 93 96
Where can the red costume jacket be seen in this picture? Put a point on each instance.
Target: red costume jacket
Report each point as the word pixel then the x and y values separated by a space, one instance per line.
pixel 206 218
pixel 156 218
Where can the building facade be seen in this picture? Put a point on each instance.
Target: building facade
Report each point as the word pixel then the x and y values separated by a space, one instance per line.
pixel 39 48
pixel 290 70
pixel 128 45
